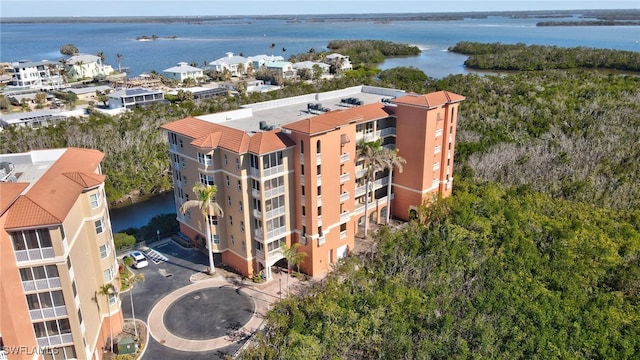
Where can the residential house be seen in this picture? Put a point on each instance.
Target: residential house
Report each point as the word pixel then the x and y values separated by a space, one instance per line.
pixel 87 93
pixel 85 66
pixel 132 97
pixel 236 65
pixel 340 62
pixel 32 119
pixel 258 61
pixel 285 174
pixel 57 253
pixel 42 75
pixel 282 68
pixel 183 71
pixel 310 66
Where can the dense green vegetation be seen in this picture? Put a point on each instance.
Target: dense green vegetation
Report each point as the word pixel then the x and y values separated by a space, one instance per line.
pixel 487 273
pixel 371 51
pixel 497 56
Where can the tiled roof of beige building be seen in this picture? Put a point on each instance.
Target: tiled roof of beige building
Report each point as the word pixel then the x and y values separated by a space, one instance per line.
pixel 9 192
pixel 433 99
pixel 334 119
pixel 204 134
pixel 53 195
pixel 270 141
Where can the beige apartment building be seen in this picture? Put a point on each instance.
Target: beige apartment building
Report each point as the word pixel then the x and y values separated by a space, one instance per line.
pixel 57 252
pixel 286 171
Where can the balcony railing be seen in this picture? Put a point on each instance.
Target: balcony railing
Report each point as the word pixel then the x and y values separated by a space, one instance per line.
pixel 273 170
pixel 47 313
pixel 41 284
pixel 275 212
pixel 319 200
pixel 343 234
pixel 319 220
pixel 319 180
pixel 257 213
pixel 344 196
pixel 321 240
pixel 318 159
pixel 276 232
pixel 386 131
pixel 344 177
pixel 269 193
pixel 257 233
pixel 255 193
pixel 361 190
pixel 302 159
pixel 344 157
pixel 345 216
pixel 34 254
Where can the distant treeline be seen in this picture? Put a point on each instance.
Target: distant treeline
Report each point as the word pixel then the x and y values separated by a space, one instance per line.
pixel 498 56
pixel 589 23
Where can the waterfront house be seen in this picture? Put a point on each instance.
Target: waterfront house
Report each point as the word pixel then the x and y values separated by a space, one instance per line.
pixel 128 98
pixel 41 75
pixel 37 118
pixel 85 66
pixel 87 93
pixel 339 61
pixel 183 71
pixel 235 64
pixel 259 60
pixel 285 174
pixel 282 68
pixel 309 67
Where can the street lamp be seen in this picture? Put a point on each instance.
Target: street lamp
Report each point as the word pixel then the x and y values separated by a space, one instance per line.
pixel 158 233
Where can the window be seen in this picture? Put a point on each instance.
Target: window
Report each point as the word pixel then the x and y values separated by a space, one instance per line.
pixel 184 163
pixel 230 220
pixel 272 160
pixel 302 190
pixel 99 224
pixel 45 300
pixel 318 147
pixel 226 160
pixel 240 205
pixel 301 147
pixel 206 179
pixel 274 203
pixel 233 240
pixel 95 200
pixel 318 169
pixel 108 274
pixel 302 169
pixel 51 328
pixel 213 220
pixel 188 213
pixel 239 185
pixel 319 210
pixel 31 239
pixel 184 180
pixel 258 245
pixel 173 138
pixel 275 245
pixel 229 200
pixel 39 273
pixel 303 211
pixel 181 144
pixel 104 251
pixel 215 239
pixel 238 164
pixel 254 161
pixel 112 299
pixel 242 226
pixel 227 180
pixel 319 190
pixel 205 159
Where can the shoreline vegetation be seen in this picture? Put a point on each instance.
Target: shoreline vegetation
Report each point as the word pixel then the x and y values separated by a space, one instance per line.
pixel 498 56
pixel 155 37
pixel 605 15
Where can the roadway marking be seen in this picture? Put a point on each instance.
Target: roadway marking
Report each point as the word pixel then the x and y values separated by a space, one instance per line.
pixel 155 256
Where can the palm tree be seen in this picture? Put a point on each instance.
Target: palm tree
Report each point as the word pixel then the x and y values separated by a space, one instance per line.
pixel 129 282
pixel 80 66
pixel 100 54
pixel 372 155
pixel 205 195
pixel 284 50
pixel 293 257
pixel 273 45
pixel 119 60
pixel 107 290
pixel 391 160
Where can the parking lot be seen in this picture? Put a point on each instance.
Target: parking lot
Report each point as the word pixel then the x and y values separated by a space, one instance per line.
pixel 170 268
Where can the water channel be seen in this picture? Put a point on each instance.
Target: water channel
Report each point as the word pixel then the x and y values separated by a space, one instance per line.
pixel 139 213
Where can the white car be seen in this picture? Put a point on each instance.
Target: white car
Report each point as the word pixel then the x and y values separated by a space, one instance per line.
pixel 139 260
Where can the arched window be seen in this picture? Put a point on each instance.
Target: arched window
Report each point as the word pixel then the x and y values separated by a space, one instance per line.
pixel 318 147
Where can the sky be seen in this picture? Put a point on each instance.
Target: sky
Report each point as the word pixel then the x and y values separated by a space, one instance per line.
pixel 80 8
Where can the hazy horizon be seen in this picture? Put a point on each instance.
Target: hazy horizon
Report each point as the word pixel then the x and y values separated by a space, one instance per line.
pixel 194 8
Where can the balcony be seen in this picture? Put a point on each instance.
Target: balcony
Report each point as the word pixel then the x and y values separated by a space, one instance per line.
pixel 257 213
pixel 318 159
pixel 41 284
pixel 360 172
pixel 345 216
pixel 254 172
pixel 344 196
pixel 302 159
pixel 276 232
pixel 47 313
pixel 361 190
pixel 319 200
pixel 273 170
pixel 255 193
pixel 34 254
pixel 386 131
pixel 321 240
pixel 257 233
pixel 345 157
pixel 319 180
pixel 343 235
pixel 344 177
pixel 269 193
pixel 319 220
pixel 275 212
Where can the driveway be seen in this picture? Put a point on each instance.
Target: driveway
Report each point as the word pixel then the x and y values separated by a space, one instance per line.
pixel 161 279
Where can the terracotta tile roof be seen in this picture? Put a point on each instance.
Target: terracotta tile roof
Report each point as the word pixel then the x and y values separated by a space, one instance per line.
pixel 208 141
pixel 229 138
pixel 433 99
pixel 9 192
pixel 331 120
pixel 270 141
pixel 50 199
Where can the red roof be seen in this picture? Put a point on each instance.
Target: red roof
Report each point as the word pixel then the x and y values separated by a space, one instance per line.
pixel 204 134
pixel 433 99
pixel 334 119
pixel 50 199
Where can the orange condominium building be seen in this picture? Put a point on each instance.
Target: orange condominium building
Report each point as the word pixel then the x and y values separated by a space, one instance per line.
pixel 286 171
pixel 57 252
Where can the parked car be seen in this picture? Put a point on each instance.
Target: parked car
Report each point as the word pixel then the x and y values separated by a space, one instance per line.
pixel 139 260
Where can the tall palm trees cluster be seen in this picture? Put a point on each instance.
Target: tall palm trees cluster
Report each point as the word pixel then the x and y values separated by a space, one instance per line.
pixel 375 157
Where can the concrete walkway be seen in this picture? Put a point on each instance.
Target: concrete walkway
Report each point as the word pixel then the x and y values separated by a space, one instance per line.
pixel 263 296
